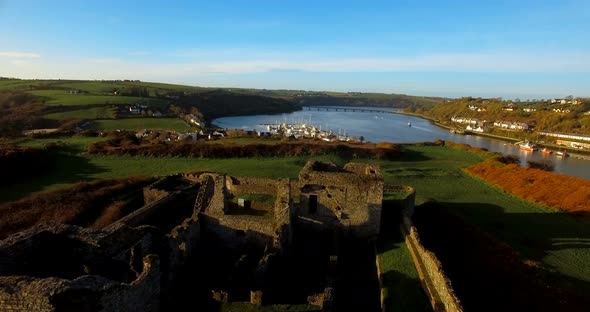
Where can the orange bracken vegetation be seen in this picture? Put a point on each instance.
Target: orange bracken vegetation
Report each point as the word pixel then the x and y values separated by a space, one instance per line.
pixel 95 204
pixel 551 189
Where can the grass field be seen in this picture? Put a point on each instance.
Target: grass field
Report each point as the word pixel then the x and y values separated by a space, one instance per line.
pixel 142 123
pixel 79 143
pixel 83 167
pixel 103 112
pixel 63 97
pixel 401 279
pixel 94 86
pixel 556 239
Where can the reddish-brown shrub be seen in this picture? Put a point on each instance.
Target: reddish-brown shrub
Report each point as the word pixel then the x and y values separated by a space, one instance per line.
pixel 81 204
pixel 133 146
pixel 551 189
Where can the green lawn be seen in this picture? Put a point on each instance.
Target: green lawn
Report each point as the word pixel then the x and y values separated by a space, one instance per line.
pixel 63 97
pixel 142 123
pixel 404 292
pixel 79 143
pixel 556 239
pixel 103 112
pixel 22 84
pixel 71 169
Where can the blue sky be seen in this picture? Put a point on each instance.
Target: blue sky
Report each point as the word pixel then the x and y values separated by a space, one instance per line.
pixel 526 49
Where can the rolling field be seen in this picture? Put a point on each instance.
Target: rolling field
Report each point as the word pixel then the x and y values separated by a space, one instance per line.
pixel 79 143
pixel 103 112
pixel 23 85
pixel 142 123
pixel 63 97
pixel 93 86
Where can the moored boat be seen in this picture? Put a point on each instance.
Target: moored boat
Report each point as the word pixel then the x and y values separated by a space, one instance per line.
pixel 561 153
pixel 546 151
pixel 529 147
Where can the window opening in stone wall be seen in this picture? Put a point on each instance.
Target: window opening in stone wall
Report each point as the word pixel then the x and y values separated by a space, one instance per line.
pixel 313 203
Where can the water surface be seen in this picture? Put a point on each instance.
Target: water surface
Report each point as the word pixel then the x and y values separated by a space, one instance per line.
pixel 387 127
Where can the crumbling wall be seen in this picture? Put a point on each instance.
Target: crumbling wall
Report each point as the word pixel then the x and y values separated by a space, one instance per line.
pixel 242 230
pixel 283 213
pixel 436 284
pixel 349 198
pixel 143 294
pixel 246 185
pixel 85 293
pixel 182 244
pixel 141 215
pixel 166 212
pixel 217 205
pixel 23 293
pixel 239 231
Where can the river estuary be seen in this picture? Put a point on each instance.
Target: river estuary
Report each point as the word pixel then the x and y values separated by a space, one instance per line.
pixel 387 127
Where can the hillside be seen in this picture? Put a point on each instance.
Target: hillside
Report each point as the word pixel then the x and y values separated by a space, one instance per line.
pixel 111 99
pixel 570 117
pixel 219 103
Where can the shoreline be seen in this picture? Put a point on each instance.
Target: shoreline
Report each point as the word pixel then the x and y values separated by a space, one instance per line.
pixel 576 153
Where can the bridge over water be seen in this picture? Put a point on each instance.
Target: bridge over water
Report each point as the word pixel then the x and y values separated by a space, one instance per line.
pixel 348 109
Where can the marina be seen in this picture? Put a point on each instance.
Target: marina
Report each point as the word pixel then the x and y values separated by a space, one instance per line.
pixel 390 127
pixel 303 130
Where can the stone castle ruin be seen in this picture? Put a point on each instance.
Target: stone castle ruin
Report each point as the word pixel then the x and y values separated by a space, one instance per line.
pixel 206 239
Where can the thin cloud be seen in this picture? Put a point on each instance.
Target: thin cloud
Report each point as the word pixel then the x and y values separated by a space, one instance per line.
pixel 138 53
pixel 111 68
pixel 102 61
pixel 16 54
pixel 21 62
pixel 502 62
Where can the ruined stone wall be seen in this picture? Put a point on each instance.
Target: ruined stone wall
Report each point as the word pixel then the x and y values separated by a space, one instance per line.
pixel 86 293
pixel 405 197
pixel 283 213
pixel 217 205
pixel 141 215
pixel 350 198
pixel 245 185
pixel 437 286
pixel 241 230
pixel 106 265
pixel 23 293
pixel 182 244
pixel 143 294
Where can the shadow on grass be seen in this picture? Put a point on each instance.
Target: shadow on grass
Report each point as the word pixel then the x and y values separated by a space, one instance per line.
pixel 404 291
pixel 412 155
pixel 484 269
pixel 65 169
